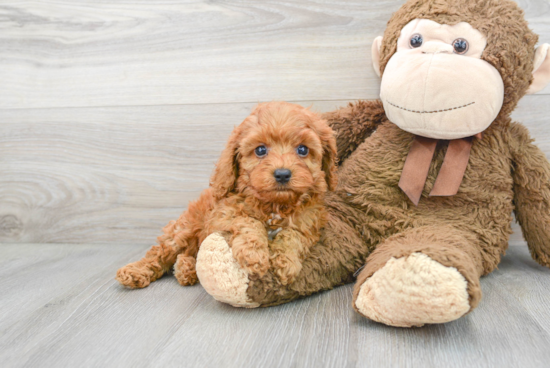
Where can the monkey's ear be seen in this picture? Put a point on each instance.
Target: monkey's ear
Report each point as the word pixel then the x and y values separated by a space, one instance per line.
pixel 541 70
pixel 376 44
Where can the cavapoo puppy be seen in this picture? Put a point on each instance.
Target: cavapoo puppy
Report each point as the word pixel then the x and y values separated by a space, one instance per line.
pixel 265 197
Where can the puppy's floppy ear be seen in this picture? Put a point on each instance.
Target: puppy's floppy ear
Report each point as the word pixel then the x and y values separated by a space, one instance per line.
pixel 224 178
pixel 329 163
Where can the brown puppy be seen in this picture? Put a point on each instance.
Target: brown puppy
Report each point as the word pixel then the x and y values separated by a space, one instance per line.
pixel 265 196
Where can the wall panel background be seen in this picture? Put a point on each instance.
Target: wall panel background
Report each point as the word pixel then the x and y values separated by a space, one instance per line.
pixel 113 113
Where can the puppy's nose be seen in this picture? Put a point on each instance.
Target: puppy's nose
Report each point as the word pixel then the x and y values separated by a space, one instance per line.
pixel 282 176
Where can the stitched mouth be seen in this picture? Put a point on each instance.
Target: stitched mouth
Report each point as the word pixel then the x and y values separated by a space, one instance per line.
pixel 431 112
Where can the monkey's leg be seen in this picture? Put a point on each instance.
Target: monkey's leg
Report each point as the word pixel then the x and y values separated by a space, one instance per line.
pixel 331 262
pixel 425 275
pixel 180 237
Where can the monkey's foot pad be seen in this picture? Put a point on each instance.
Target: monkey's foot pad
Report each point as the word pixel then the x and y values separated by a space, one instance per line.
pixel 413 291
pixel 220 274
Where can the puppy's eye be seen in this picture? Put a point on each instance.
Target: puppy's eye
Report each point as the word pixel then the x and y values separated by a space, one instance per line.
pixel 260 151
pixel 302 150
pixel 416 40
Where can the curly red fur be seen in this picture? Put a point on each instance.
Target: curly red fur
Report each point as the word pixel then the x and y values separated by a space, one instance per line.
pixel 244 201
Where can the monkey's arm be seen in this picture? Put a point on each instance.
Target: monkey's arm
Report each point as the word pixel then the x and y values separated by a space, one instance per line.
pixel 531 173
pixel 353 124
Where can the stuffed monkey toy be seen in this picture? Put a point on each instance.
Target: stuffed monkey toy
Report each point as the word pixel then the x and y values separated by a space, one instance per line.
pixel 430 174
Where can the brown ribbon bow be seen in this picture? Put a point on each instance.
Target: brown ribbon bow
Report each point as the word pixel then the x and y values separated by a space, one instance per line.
pixel 417 165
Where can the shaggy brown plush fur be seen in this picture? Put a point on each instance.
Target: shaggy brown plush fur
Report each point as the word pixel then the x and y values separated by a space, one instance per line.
pixel 245 202
pixel 369 216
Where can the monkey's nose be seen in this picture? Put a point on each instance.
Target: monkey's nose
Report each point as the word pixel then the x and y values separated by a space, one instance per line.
pixel 282 176
pixel 436 47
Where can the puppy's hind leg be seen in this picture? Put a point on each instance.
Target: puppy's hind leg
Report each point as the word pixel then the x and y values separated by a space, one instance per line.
pixel 156 262
pixel 185 271
pixel 180 237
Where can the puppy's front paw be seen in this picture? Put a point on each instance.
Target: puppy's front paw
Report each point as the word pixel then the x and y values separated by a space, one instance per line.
pixel 134 278
pixel 286 268
pixel 254 261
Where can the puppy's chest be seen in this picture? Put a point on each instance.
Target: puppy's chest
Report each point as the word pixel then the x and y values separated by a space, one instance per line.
pixel 275 224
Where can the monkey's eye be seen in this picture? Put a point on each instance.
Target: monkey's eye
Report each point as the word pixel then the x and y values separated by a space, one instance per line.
pixel 416 40
pixel 302 150
pixel 461 46
pixel 260 151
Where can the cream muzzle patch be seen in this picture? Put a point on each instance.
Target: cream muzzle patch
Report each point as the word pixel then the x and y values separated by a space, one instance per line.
pixel 452 95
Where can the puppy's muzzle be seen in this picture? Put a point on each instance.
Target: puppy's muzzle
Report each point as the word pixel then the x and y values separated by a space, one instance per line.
pixel 282 176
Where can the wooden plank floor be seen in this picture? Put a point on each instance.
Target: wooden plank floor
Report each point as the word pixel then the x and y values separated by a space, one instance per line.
pixel 61 307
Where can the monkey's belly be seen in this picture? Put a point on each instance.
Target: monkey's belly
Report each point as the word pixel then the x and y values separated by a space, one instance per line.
pixel 483 205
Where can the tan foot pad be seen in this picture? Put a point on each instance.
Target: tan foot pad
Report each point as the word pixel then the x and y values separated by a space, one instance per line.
pixel 413 291
pixel 220 274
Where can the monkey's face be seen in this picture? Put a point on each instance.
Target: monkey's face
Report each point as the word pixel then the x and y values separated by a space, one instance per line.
pixel 436 85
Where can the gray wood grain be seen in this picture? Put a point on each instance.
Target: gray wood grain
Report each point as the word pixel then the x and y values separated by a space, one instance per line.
pixel 61 307
pixel 98 175
pixel 62 53
pixel 103 174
